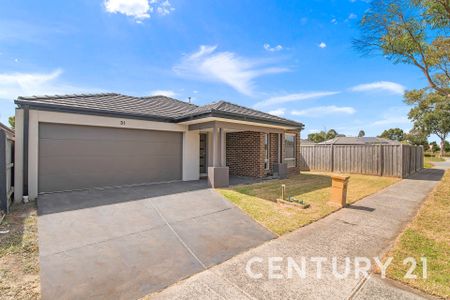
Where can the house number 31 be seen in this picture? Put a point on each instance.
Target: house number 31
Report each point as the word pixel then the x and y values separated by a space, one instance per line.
pixel 122 122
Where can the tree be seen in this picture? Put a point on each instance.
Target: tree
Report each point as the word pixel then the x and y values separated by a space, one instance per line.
pixel 434 147
pixel 361 133
pixel 317 137
pixel 447 146
pixel 322 136
pixel 418 138
pixel 12 121
pixel 395 134
pixel 430 114
pixel 411 32
pixel 331 134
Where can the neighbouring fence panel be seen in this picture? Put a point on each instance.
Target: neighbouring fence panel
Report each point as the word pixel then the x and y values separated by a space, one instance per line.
pixel 315 157
pixel 6 170
pixel 382 160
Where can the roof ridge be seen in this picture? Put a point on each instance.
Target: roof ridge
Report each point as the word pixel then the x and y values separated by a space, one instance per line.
pixel 174 99
pixel 56 96
pixel 252 109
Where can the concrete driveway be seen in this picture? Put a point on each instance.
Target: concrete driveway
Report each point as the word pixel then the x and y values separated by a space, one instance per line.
pixel 367 228
pixel 127 242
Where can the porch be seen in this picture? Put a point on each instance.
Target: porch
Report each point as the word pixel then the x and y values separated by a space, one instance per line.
pixel 236 149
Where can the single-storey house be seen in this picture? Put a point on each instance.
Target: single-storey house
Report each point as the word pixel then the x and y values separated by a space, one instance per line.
pixel 95 140
pixel 307 142
pixel 350 140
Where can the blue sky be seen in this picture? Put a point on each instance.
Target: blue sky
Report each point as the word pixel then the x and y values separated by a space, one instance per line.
pixel 291 58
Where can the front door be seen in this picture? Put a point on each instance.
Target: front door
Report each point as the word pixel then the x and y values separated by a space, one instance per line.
pixel 203 154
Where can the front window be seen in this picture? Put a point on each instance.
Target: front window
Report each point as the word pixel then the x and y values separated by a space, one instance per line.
pixel 266 151
pixel 289 144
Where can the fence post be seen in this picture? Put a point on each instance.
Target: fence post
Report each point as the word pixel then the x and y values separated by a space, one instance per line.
pixel 419 150
pixel 380 160
pixel 401 161
pixel 332 157
pixel 3 170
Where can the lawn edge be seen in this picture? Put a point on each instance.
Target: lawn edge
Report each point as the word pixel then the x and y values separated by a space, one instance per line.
pixel 395 242
pixel 247 214
pixel 309 223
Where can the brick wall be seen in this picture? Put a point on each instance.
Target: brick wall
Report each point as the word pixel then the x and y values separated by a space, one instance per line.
pixel 244 153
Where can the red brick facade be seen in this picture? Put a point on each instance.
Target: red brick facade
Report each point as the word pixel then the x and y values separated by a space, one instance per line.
pixel 273 148
pixel 245 153
pixel 245 156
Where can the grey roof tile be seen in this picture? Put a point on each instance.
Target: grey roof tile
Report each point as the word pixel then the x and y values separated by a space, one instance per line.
pixel 160 107
pixel 237 110
pixel 155 106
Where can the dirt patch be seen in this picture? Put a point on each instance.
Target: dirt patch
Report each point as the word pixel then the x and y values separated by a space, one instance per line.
pixel 19 254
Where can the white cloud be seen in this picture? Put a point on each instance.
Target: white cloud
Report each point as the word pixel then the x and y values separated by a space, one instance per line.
pixel 226 67
pixel 272 49
pixel 167 93
pixel 278 112
pixel 324 110
pixel 392 116
pixel 322 45
pixel 392 87
pixel 13 85
pixel 163 8
pixel 334 21
pixel 352 16
pixel 138 9
pixel 294 97
pixel 391 120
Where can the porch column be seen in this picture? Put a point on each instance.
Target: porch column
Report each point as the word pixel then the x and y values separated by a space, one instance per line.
pixel 218 174
pixel 279 149
pixel 222 148
pixel 216 147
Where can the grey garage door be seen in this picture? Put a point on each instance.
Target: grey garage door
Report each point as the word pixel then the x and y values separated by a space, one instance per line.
pixel 77 157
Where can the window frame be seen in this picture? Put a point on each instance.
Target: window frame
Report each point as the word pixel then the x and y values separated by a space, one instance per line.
pixel 288 160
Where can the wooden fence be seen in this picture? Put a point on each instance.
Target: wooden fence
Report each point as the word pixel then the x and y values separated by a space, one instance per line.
pixel 6 169
pixel 383 160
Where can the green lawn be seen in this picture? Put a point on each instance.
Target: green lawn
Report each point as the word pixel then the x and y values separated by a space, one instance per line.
pixel 427 236
pixel 257 200
pixel 428 161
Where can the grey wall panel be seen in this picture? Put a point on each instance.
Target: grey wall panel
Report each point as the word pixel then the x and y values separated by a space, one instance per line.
pixel 74 157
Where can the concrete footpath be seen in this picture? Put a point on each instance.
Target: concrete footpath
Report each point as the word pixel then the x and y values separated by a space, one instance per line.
pixel 366 229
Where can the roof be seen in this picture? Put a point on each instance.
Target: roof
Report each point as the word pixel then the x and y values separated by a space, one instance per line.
pixel 159 108
pixel 6 129
pixel 304 142
pixel 224 108
pixel 348 140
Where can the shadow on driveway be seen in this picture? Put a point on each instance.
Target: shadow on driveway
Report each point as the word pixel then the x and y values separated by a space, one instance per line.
pixel 50 203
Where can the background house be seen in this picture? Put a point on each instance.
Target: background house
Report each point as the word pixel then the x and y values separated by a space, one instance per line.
pixel 347 140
